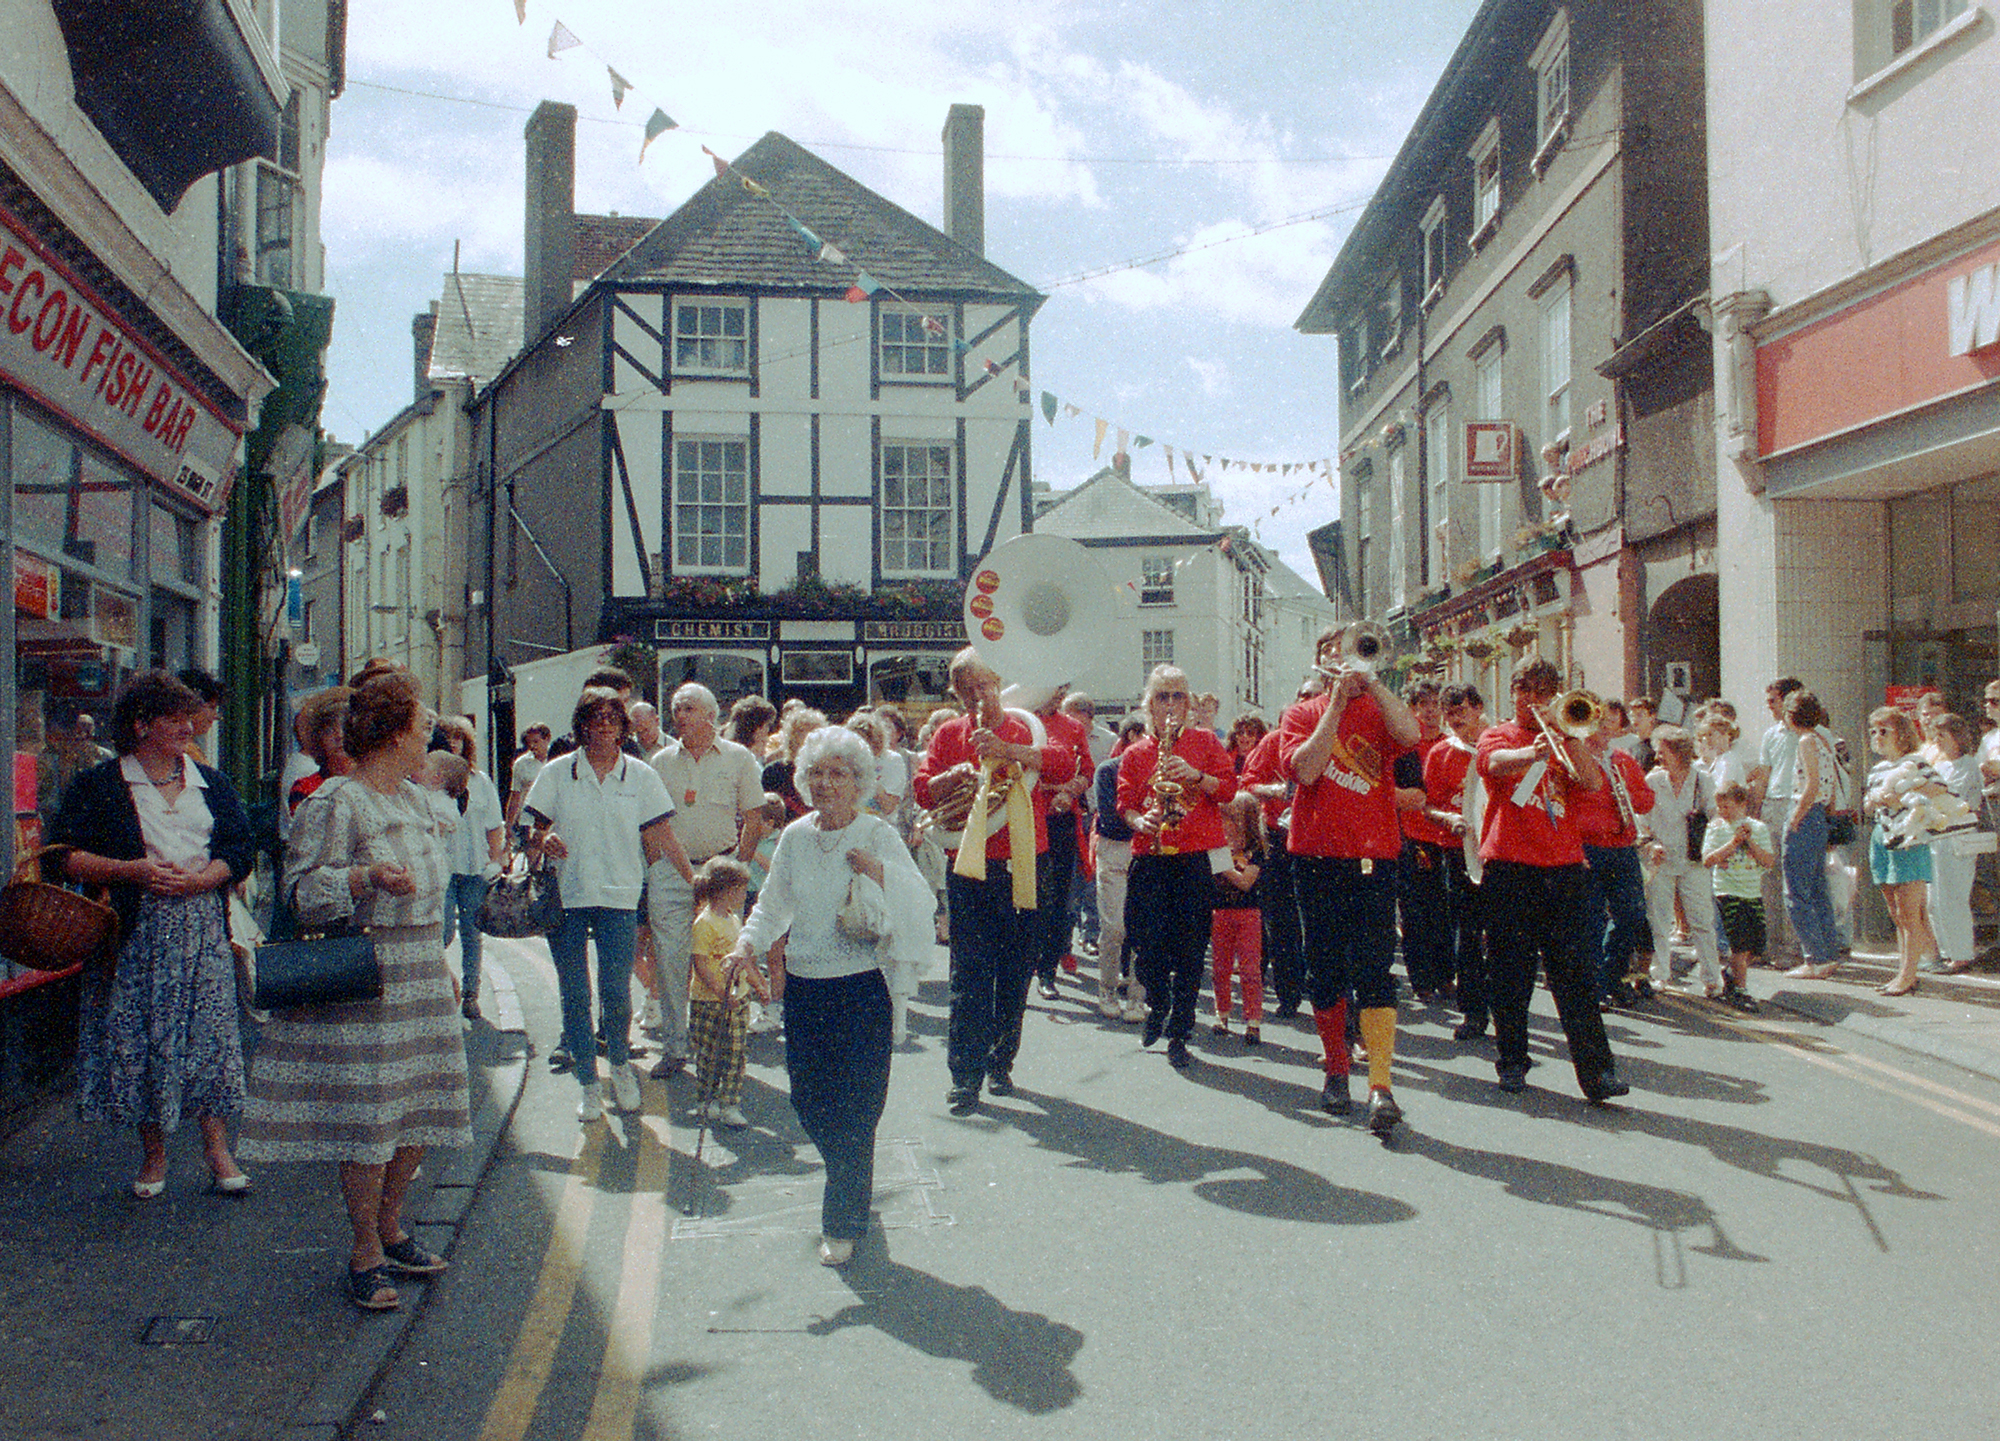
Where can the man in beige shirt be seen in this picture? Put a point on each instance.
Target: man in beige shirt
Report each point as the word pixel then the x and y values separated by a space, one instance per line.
pixel 717 789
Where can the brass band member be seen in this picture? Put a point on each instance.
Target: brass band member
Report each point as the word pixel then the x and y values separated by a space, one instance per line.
pixel 992 939
pixel 1341 748
pixel 1169 785
pixel 1534 884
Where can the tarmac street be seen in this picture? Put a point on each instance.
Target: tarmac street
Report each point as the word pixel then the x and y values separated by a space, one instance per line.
pixel 1778 1234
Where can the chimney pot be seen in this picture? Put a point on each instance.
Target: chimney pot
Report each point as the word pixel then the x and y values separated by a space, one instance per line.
pixel 423 330
pixel 965 176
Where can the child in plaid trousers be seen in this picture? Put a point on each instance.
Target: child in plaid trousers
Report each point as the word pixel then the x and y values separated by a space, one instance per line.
pixel 716 989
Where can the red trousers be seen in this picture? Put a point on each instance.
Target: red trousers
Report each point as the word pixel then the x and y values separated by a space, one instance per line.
pixel 1236 939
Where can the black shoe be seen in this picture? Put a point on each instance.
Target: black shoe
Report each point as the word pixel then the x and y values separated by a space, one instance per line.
pixel 469 1009
pixel 1607 1087
pixel 1156 1022
pixel 1468 1030
pixel 1383 1112
pixel 1618 993
pixel 560 1059
pixel 1643 990
pixel 1177 1055
pixel 1333 1097
pixel 1046 988
pixel 1286 1010
pixel 668 1067
pixel 1000 1083
pixel 963 1100
pixel 1513 1080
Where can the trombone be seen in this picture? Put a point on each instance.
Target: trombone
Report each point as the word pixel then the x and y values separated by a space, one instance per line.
pixel 1578 714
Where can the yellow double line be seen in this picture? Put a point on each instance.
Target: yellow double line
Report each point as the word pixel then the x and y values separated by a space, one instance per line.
pixel 628 1341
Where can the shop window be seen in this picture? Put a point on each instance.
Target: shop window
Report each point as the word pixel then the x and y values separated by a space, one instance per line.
pixel 175 543
pixel 1975 540
pixel 70 501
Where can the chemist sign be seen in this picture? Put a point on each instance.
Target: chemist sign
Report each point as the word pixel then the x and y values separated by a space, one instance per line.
pixel 79 357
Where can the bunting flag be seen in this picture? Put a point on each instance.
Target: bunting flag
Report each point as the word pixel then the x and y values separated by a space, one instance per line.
pixel 934 327
pixel 1071 410
pixel 813 242
pixel 521 11
pixel 1140 442
pixel 864 286
pixel 657 124
pixel 1168 450
pixel 754 188
pixel 721 165
pixel 1021 386
pixel 1049 406
pixel 831 255
pixel 619 85
pixel 1097 446
pixel 992 368
pixel 560 39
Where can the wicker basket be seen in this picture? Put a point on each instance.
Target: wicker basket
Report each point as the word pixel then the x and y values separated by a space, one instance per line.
pixel 48 928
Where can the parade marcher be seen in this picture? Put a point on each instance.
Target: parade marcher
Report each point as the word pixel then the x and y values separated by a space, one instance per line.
pixel 606 818
pixel 1113 841
pixel 1170 782
pixel 1458 802
pixel 1083 880
pixel 1264 777
pixel 367 1084
pixel 157 1033
pixel 837 1029
pixel 717 792
pixel 1615 927
pixel 1053 925
pixel 1236 931
pixel 1341 749
pixel 1532 886
pixel 1421 901
pixel 990 896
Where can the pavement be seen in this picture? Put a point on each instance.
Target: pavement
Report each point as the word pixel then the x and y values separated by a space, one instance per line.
pixel 200 1315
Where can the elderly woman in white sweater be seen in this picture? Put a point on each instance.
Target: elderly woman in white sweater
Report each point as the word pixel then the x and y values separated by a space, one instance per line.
pixel 837 996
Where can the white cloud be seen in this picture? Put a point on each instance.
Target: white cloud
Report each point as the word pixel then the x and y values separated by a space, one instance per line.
pixel 1213 375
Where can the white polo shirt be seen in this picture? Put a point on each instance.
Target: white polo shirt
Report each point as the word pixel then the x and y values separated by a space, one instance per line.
pixel 710 795
pixel 600 823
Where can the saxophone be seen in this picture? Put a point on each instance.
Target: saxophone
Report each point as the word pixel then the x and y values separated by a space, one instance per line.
pixel 1169 796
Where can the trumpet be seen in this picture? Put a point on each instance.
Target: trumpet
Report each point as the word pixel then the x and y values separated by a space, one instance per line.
pixel 1578 714
pixel 1362 643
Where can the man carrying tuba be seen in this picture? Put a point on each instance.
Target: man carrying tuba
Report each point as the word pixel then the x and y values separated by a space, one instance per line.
pixel 1341 748
pixel 992 897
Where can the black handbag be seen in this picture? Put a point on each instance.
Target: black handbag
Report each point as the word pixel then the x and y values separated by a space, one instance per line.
pixel 522 903
pixel 317 971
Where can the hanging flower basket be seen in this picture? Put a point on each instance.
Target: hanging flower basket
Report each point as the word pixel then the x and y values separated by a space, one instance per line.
pixel 1480 648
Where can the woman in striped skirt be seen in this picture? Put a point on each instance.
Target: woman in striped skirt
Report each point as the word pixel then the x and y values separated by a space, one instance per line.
pixel 370 1084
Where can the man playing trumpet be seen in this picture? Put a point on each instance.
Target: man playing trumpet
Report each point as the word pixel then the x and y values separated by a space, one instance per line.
pixel 992 911
pixel 1534 886
pixel 1341 748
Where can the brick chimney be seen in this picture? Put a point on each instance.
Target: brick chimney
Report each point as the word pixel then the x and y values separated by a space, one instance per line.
pixel 550 263
pixel 965 176
pixel 423 330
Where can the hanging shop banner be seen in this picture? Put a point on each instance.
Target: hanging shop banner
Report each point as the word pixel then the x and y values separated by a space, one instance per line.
pixel 75 354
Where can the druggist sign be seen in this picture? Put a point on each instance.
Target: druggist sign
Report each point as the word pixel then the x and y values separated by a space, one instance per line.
pixel 75 354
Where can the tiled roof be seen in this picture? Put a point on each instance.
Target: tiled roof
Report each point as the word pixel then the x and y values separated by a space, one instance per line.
pixel 601 239
pixel 1282 580
pixel 478 326
pixel 726 236
pixel 1109 507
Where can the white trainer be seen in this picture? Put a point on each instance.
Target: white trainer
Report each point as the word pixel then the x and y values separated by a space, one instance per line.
pixel 589 1108
pixel 649 1016
pixel 1108 1005
pixel 733 1117
pixel 624 1094
pixel 1134 1012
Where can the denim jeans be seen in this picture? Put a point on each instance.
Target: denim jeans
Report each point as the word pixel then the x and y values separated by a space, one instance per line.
pixel 1806 897
pixel 461 918
pixel 1616 886
pixel 614 930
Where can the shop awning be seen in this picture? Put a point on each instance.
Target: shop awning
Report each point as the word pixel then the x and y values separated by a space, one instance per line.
pixel 173 85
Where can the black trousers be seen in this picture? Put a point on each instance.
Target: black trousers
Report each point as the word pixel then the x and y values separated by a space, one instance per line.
pixel 1468 926
pixel 1422 902
pixel 1531 918
pixel 1284 952
pixel 837 1054
pixel 1052 917
pixel 1167 909
pixel 1348 910
pixel 992 959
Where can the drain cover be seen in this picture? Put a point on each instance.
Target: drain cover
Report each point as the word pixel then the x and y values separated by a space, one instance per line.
pixel 177 1331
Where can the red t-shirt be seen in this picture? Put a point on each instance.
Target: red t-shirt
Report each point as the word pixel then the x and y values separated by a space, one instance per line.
pixel 1068 733
pixel 953 744
pixel 1202 830
pixel 1598 820
pixel 1541 833
pixel 1416 825
pixel 1266 767
pixel 1350 811
pixel 1444 775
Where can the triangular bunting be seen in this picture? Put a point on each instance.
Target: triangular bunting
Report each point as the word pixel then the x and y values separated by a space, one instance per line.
pixel 813 242
pixel 992 368
pixel 1140 442
pixel 934 327
pixel 560 39
pixel 657 124
pixel 1098 444
pixel 721 165
pixel 1049 406
pixel 831 255
pixel 521 11
pixel 619 85
pixel 864 286
pixel 1072 410
pixel 754 188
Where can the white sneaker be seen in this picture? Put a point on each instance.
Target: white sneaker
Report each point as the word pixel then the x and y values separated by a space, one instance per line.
pixel 1108 1006
pixel 624 1092
pixel 589 1108
pixel 1134 1012
pixel 649 1015
pixel 774 1015
pixel 733 1117
pixel 765 1021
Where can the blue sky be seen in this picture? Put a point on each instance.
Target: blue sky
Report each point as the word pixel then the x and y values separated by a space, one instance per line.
pixel 1115 132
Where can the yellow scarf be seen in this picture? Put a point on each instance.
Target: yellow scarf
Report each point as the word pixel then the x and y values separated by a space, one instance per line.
pixel 971 862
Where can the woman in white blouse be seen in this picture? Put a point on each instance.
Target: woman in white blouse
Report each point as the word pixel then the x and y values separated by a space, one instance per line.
pixel 837 1008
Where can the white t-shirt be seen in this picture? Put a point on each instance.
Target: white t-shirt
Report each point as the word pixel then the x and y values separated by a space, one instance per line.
pixel 469 853
pixel 1779 753
pixel 600 822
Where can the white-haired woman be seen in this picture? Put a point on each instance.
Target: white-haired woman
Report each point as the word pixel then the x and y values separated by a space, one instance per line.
pixel 838 1018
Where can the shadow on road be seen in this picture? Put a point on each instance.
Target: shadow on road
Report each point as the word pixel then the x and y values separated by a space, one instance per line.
pixel 1019 1358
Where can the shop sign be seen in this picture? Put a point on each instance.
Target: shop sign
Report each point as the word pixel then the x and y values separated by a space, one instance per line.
pixel 1492 450
pixel 712 632
pixel 37 587
pixel 76 355
pixel 1905 697
pixel 114 618
pixel 1597 450
pixel 890 632
pixel 1972 310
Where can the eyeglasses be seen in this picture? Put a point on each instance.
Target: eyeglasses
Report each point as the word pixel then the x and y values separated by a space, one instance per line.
pixel 1170 695
pixel 1993 700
